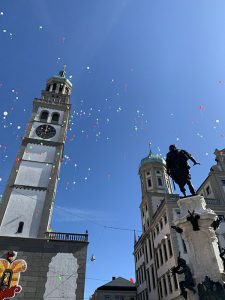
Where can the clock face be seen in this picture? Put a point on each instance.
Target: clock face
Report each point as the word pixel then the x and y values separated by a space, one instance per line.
pixel 45 131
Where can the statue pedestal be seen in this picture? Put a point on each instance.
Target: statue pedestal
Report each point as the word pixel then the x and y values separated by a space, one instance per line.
pixel 201 244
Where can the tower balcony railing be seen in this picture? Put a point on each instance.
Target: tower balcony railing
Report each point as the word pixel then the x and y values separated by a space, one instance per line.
pixel 60 236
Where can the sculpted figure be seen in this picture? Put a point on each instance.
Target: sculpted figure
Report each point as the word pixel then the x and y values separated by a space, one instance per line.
pixel 178 168
pixel 188 282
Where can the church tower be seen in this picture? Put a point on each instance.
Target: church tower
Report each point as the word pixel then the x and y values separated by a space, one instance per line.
pixel 29 195
pixel 155 183
pixel 53 263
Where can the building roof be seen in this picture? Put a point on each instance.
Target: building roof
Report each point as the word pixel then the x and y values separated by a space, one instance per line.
pixel 152 158
pixel 118 283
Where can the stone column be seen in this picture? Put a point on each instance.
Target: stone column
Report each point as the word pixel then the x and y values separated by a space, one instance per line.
pixel 201 244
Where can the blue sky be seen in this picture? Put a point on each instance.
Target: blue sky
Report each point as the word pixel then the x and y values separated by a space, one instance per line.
pixel 142 71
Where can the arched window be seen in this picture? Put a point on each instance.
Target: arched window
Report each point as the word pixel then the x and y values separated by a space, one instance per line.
pixel 20 227
pixel 44 116
pixel 55 118
pixel 48 87
pixel 160 181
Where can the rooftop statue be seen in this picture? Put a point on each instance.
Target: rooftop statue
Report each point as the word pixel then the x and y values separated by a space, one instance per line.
pixel 178 168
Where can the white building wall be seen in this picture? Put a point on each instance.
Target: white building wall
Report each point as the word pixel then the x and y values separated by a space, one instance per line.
pixel 156 201
pixel 41 153
pixel 24 206
pixel 33 174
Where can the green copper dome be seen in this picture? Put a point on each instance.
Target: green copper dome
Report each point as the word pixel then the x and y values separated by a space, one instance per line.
pixel 152 158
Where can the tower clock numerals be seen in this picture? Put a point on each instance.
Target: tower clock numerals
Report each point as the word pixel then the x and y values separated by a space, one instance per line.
pixel 45 131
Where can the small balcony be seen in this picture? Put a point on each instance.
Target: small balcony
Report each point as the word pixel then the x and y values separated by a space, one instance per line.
pixel 60 236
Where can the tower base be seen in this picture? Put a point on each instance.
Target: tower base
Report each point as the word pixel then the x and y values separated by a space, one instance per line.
pixel 55 266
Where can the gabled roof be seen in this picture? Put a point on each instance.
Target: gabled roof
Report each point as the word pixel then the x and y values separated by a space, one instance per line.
pixel 119 283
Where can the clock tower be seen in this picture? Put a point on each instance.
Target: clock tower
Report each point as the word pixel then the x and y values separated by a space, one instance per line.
pixel 56 262
pixel 29 195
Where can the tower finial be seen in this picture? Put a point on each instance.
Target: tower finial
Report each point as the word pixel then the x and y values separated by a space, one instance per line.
pixel 150 149
pixel 64 68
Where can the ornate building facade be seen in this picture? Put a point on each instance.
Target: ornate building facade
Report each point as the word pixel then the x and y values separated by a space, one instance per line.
pixel 55 261
pixel 157 249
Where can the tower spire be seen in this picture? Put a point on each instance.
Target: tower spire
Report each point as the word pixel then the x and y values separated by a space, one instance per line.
pixel 150 149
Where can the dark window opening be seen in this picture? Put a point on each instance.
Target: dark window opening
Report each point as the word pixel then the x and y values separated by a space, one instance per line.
pixel 159 181
pixel 170 247
pixel 137 277
pixel 223 182
pixel 208 190
pixel 44 116
pixel 157 259
pixel 165 219
pixel 55 118
pixel 54 86
pixel 165 252
pixel 160 289
pixel 48 87
pixel 146 253
pixel 161 224
pixel 149 183
pixel 149 281
pixel 161 256
pixel 165 287
pixel 150 247
pixel 153 277
pixel 157 229
pixel 20 227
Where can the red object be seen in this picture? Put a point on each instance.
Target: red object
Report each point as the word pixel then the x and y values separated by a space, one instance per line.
pixel 131 280
pixel 10 293
pixel 17 159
